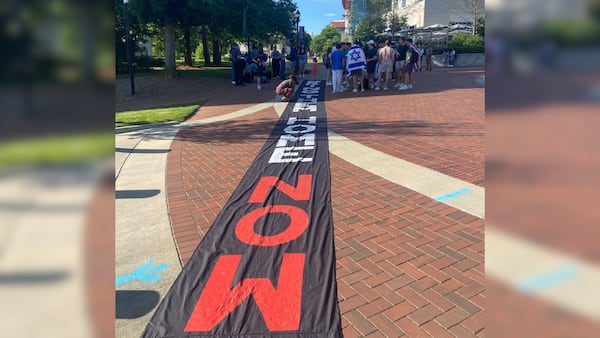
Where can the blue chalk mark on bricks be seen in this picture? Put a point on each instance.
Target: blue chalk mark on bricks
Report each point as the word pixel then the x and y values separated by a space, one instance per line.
pixel 144 273
pixel 452 195
pixel 548 279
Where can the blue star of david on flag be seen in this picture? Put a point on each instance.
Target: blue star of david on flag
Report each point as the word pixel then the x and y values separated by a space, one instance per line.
pixel 354 55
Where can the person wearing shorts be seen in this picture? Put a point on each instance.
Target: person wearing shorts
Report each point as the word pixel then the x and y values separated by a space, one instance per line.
pixel 286 88
pixel 400 62
pixel 371 55
pixel 386 56
pixel 412 64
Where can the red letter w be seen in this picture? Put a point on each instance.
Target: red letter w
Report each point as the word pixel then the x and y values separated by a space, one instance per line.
pixel 280 307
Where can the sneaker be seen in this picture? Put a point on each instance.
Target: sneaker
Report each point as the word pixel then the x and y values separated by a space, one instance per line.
pixel 376 88
pixel 403 87
pixel 410 86
pixel 329 84
pixel 333 92
pixel 385 88
pixel 259 87
pixel 355 90
pixel 362 90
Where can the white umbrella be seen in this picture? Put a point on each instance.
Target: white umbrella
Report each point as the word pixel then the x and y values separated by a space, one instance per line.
pixel 436 26
pixel 384 34
pixel 459 26
pixel 460 31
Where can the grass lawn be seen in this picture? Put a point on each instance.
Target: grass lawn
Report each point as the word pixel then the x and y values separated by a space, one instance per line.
pixel 58 149
pixel 171 113
pixel 222 72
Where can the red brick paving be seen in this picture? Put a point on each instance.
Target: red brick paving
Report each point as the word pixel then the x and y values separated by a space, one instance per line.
pixel 406 265
pixel 439 124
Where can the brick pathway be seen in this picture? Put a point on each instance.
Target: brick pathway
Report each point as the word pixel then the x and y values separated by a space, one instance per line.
pixel 406 265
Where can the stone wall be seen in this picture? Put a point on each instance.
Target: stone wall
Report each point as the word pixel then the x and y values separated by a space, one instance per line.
pixel 467 59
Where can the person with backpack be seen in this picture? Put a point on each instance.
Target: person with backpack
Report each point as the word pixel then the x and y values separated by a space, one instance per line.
pixel 412 65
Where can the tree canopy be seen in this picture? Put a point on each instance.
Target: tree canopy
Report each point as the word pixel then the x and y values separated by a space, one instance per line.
pixel 221 22
pixel 328 36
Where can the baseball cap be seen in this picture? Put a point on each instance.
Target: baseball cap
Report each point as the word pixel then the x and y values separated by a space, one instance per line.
pixel 370 42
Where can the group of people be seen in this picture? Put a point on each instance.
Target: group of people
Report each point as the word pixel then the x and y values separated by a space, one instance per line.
pixel 349 66
pixel 245 67
pixel 374 66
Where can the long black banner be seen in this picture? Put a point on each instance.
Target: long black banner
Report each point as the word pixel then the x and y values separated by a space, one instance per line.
pixel 266 267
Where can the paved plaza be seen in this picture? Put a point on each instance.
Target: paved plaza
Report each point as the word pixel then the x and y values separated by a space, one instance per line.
pixel 407 186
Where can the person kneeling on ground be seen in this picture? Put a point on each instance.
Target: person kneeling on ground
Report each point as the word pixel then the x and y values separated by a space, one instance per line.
pixel 286 88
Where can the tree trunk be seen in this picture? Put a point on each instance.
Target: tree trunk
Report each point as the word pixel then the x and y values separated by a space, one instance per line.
pixel 170 48
pixel 187 45
pixel 216 51
pixel 205 50
pixel 89 26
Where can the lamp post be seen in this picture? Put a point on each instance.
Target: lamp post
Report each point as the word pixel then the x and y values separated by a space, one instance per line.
pixel 128 41
pixel 297 16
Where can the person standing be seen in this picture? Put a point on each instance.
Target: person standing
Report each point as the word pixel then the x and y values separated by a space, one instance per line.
pixel 451 58
pixel 356 62
pixel 428 54
pixel 259 72
pixel 422 55
pixel 371 55
pixel 275 58
pixel 327 62
pixel 412 65
pixel 301 60
pixel 337 67
pixel 313 71
pixel 386 64
pixel 238 66
pixel 400 61
pixel 293 58
pixel 234 54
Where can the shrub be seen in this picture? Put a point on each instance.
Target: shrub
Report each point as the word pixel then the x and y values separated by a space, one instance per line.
pixel 467 43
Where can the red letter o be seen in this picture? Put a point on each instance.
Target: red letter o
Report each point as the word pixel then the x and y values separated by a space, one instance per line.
pixel 244 229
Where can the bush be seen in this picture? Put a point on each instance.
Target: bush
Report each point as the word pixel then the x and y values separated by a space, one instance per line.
pixel 467 43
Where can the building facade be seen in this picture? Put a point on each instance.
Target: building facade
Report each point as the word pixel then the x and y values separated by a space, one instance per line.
pixel 423 13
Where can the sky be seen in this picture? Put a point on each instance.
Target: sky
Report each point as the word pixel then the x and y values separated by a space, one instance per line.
pixel 316 14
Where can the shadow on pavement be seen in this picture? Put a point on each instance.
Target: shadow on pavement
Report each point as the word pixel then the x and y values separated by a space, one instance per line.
pixel 135 303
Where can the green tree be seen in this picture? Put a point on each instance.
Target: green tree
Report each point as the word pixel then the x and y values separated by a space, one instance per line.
pixel 328 36
pixel 368 28
pixel 374 20
pixel 167 13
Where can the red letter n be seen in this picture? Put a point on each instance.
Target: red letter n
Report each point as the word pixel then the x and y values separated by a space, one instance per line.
pixel 280 307
pixel 299 193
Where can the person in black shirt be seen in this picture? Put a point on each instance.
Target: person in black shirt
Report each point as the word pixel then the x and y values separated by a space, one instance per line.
pixel 400 61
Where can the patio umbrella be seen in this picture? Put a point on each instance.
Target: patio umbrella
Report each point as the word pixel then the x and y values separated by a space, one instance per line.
pixel 436 26
pixel 460 31
pixel 459 26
